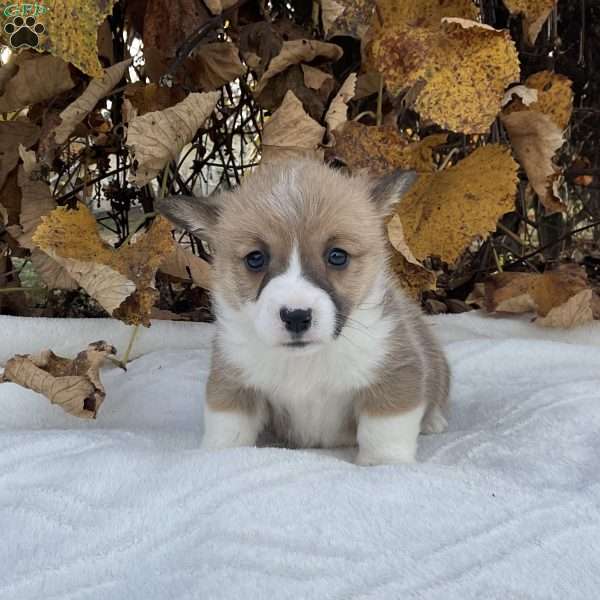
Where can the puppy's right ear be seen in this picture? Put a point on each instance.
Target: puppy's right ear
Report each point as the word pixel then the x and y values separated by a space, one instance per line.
pixel 198 216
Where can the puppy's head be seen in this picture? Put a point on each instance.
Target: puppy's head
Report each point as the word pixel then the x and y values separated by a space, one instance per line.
pixel 297 247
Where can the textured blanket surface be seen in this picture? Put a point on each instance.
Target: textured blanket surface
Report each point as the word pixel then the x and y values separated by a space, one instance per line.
pixel 505 505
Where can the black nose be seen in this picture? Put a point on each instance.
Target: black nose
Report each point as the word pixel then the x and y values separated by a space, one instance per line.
pixel 296 321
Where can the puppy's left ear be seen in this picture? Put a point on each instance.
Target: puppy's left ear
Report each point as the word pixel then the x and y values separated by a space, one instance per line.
pixel 388 190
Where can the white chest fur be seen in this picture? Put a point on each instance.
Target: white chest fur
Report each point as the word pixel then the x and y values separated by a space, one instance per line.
pixel 312 392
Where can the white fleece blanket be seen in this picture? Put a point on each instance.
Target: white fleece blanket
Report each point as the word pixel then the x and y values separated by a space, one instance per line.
pixel 505 505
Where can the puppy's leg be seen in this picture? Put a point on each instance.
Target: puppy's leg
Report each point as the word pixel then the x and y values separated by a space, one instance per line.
pixel 233 416
pixel 389 437
pixel 434 420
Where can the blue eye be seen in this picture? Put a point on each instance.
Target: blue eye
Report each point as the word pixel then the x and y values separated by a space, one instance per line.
pixel 256 261
pixel 338 258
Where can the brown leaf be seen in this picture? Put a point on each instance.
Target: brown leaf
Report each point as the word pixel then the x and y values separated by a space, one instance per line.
pixel 535 138
pixel 150 97
pixel 346 17
pixel 560 298
pixel 167 23
pixel 12 135
pixel 31 82
pixel 535 13
pixel 185 265
pixel 214 65
pixel 158 137
pixel 216 7
pixel 338 109
pixel 10 199
pixel 445 210
pixel 97 89
pixel 315 78
pixel 462 70
pixel 74 385
pixel 259 41
pixel 294 52
pixel 120 280
pixel 290 131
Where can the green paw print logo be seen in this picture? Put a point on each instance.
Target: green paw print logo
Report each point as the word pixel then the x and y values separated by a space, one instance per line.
pixel 23 27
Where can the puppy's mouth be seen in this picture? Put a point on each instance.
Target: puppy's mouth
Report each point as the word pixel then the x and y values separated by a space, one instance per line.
pixel 298 344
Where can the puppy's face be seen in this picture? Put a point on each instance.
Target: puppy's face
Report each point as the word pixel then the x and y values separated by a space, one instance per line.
pixel 297 247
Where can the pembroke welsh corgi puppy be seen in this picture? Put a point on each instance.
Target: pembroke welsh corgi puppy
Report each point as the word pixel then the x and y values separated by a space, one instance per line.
pixel 315 342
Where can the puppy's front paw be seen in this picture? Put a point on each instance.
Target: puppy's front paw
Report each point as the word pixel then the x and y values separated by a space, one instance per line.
pixel 397 456
pixel 434 421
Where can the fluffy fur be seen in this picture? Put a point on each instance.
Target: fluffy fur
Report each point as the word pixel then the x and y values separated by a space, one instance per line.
pixel 367 369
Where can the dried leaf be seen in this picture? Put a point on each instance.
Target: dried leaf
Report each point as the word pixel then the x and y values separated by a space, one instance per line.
pixel 149 97
pixel 338 109
pixel 72 32
pixel 158 137
pixel 214 65
pixel 413 277
pixel 74 385
pixel 216 7
pixel 380 150
pixel 561 298
pixel 535 13
pixel 424 13
pixel 294 52
pixel 462 70
pixel 290 131
pixel 525 94
pixel 167 23
pixel 315 78
pixel 55 276
pixel 535 138
pixel 445 210
pixel 185 265
pixel 30 82
pixel 346 17
pixel 80 108
pixel 13 134
pixel 10 199
pixel 120 280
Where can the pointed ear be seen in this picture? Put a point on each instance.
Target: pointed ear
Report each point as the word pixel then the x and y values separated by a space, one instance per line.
pixel 197 216
pixel 388 190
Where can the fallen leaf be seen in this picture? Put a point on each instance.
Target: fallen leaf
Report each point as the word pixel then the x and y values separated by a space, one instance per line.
pixel 216 7
pixel 187 266
pixel 380 150
pixel 55 276
pixel 554 97
pixel 445 210
pixel 535 138
pixel 149 97
pixel 259 43
pixel 74 385
pixel 338 109
pixel 424 13
pixel 158 137
pixel 462 70
pixel 290 131
pixel 561 298
pixel 294 52
pixel 413 277
pixel 120 280
pixel 535 13
pixel 214 65
pixel 346 17
pixel 525 94
pixel 13 134
pixel 97 89
pixel 72 32
pixel 168 23
pixel 315 78
pixel 10 199
pixel 30 82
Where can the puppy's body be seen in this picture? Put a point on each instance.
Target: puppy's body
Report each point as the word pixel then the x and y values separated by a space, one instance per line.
pixel 322 354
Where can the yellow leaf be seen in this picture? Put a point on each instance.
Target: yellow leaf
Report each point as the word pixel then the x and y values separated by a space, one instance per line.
pixel 445 210
pixel 120 280
pixel 424 13
pixel 462 70
pixel 72 31
pixel 535 13
pixel 158 137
